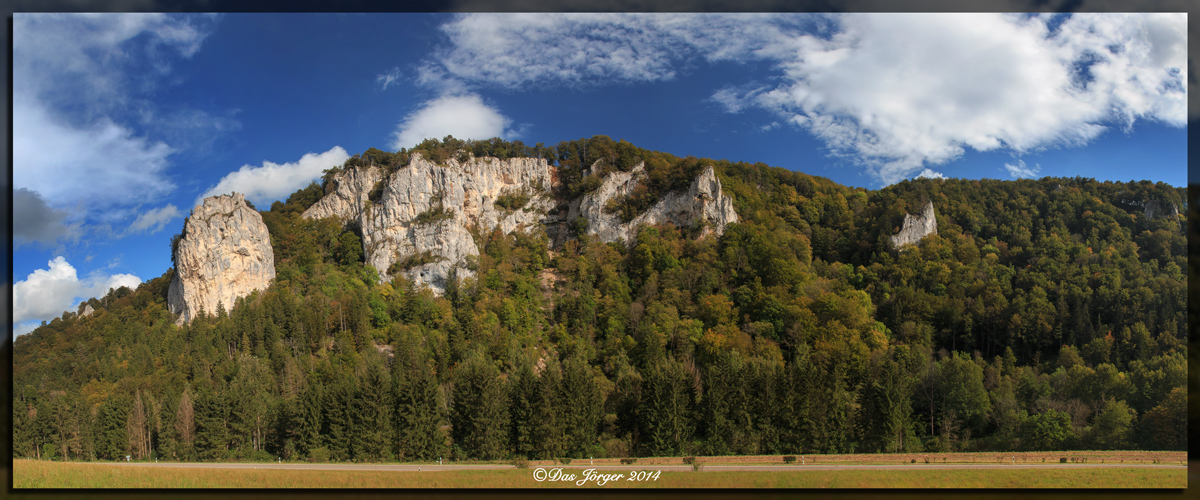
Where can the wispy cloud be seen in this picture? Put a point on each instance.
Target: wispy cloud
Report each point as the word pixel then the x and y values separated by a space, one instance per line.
pixel 388 78
pixel 1021 171
pixel 518 50
pixel 275 181
pixel 46 293
pixel 99 165
pixel 79 87
pixel 897 93
pixel 463 116
pixel 156 218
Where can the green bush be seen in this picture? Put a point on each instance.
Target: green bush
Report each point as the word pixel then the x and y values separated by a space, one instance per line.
pixel 318 455
pixel 513 201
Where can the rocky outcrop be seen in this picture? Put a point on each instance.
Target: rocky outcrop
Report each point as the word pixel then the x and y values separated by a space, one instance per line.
pixel 607 226
pixel 703 203
pixel 224 253
pixel 422 222
pixel 348 195
pixel 916 227
pixel 85 310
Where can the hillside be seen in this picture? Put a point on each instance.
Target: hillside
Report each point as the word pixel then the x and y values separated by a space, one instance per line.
pixel 1042 314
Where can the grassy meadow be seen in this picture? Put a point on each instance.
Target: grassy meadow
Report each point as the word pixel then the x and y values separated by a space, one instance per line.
pixel 41 474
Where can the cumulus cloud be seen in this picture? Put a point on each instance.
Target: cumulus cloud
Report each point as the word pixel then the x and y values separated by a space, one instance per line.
pixel 35 221
pixel 388 78
pixel 898 93
pixel 155 218
pixel 463 116
pixel 1020 171
pixel 273 181
pixel 930 174
pixel 46 293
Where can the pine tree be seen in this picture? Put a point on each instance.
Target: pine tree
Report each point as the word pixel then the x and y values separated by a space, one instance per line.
pixel 480 413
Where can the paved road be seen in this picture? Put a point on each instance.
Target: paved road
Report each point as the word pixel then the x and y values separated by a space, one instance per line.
pixel 711 468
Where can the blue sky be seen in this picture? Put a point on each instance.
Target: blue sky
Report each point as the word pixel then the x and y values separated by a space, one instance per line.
pixel 122 122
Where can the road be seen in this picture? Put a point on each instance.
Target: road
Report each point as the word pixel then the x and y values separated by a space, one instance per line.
pixel 679 468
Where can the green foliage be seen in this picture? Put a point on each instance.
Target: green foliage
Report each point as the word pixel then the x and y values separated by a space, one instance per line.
pixel 1039 317
pixel 513 201
pixel 1047 431
pixel 414 260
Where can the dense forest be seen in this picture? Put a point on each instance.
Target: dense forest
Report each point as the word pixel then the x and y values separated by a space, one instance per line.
pixel 1045 315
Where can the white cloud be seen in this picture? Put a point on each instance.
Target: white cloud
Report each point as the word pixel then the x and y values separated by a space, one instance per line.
pixel 156 218
pixel 78 87
pixel 896 92
pixel 46 293
pixel 1019 170
pixel 517 50
pixel 388 78
pixel 273 181
pixel 100 165
pixel 904 91
pixel 930 174
pixel 82 58
pixel 463 116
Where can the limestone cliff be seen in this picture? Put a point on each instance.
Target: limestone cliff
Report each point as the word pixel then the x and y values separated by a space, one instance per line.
pixel 422 223
pixel 224 253
pixel 702 203
pixel 916 227
pixel 348 195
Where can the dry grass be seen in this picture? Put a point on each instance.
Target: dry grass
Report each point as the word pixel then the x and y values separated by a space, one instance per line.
pixel 37 474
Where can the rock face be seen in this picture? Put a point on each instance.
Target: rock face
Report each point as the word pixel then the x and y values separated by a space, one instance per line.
pixel 702 203
pixel 916 227
pixel 225 253
pixel 349 195
pixel 421 225
pixel 86 310
pixel 423 218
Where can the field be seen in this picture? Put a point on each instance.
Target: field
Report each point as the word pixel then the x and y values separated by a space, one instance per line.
pixel 41 474
pixel 1029 457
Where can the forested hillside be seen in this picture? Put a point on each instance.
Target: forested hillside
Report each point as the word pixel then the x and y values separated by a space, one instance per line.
pixel 1044 314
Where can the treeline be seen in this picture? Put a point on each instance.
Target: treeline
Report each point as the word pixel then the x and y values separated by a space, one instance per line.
pixel 1044 315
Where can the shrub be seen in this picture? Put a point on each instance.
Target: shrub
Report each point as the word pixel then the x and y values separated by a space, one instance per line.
pixel 318 455
pixel 512 201
pixel 434 214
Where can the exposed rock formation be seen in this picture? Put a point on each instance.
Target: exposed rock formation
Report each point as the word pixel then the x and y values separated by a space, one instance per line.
pixel 702 203
pixel 421 225
pixel 349 194
pixel 423 218
pixel 85 310
pixel 604 225
pixel 225 253
pixel 916 227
